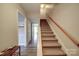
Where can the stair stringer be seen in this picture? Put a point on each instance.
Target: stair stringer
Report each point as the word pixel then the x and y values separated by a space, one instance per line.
pixel 39 43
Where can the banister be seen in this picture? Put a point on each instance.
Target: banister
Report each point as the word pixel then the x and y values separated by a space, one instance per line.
pixel 69 36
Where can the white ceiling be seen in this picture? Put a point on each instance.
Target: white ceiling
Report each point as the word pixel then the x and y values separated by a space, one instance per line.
pixel 33 10
pixel 46 9
pixel 31 7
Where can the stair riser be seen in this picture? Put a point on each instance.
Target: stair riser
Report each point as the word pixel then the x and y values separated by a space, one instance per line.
pixel 48 36
pixel 50 40
pixel 45 26
pixel 45 30
pixel 47 33
pixel 43 33
pixel 51 46
pixel 55 55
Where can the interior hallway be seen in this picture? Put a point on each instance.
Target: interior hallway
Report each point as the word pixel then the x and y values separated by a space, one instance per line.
pixel 62 18
pixel 31 49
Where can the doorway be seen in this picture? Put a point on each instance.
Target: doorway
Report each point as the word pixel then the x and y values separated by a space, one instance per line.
pixel 21 30
pixel 34 34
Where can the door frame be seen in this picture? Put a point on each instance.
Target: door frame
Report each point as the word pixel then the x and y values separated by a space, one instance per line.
pixel 25 29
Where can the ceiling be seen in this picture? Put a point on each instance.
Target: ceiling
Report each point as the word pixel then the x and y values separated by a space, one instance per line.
pixel 46 8
pixel 32 10
pixel 36 11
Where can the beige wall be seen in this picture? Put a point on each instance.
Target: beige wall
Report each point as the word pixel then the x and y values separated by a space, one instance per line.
pixel 8 25
pixel 67 45
pixel 67 16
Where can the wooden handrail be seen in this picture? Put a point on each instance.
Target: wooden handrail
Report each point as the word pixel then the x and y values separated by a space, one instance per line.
pixel 69 36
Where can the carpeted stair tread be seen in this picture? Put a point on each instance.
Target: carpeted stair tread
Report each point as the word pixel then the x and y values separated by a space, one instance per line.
pixel 51 44
pixel 49 38
pixel 53 52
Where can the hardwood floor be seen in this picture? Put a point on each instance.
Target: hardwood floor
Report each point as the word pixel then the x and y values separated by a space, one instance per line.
pixel 30 50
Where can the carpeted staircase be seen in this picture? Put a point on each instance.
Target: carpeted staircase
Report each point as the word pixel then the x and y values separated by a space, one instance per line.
pixel 50 45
